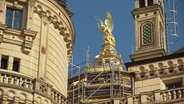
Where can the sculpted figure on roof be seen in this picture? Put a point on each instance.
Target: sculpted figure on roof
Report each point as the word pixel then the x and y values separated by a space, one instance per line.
pixel 107 29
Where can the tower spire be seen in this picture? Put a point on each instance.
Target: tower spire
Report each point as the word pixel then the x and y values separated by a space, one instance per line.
pixel 150 29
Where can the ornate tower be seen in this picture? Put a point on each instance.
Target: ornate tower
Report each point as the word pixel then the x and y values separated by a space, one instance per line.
pixel 36 40
pixel 149 29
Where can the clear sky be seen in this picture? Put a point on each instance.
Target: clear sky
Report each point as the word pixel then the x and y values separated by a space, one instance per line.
pixel 88 34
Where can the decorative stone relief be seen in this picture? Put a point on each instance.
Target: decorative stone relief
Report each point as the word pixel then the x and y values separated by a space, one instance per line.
pixel 58 24
pixel 28 40
pixel 28 37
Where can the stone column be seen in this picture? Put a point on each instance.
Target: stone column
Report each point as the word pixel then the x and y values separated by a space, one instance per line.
pixel 130 100
pixel 146 2
pixel 157 96
pixel 10 63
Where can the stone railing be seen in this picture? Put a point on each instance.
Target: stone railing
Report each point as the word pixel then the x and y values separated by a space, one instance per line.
pixel 172 94
pixel 159 73
pixel 58 97
pixel 15 80
pixel 169 96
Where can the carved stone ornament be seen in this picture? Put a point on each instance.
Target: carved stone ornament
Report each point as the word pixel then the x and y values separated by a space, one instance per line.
pixel 58 24
pixel 28 36
pixel 28 40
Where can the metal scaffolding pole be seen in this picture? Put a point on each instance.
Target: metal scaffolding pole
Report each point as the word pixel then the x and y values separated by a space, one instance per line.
pixel 78 97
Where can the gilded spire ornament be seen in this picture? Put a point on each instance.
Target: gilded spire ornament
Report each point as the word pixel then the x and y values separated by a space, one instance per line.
pixel 107 28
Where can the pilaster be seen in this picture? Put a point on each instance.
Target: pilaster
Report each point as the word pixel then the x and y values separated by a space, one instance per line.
pixel 2 11
pixel 43 48
pixel 30 12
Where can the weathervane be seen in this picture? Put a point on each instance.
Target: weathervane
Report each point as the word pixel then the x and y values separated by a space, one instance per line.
pixel 107 29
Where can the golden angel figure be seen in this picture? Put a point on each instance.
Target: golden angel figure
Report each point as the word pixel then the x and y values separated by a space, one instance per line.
pixel 107 29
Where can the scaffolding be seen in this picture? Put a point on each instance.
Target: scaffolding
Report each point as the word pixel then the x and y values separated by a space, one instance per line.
pixel 99 83
pixel 171 20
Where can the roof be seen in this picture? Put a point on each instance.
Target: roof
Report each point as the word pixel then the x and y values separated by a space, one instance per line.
pixel 180 50
pixel 175 54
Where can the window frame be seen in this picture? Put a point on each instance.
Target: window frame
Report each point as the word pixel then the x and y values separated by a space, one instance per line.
pixel 16 68
pixel 141 34
pixel 13 22
pixel 142 3
pixel 6 58
pixel 20 7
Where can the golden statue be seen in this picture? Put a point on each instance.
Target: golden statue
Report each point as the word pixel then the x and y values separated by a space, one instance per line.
pixel 107 29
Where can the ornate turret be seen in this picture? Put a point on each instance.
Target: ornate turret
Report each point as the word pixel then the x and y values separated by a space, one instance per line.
pixel 149 29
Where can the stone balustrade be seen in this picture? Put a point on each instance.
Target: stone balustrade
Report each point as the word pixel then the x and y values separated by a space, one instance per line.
pixel 33 86
pixel 172 94
pixel 16 80
pixel 158 97
pixel 58 97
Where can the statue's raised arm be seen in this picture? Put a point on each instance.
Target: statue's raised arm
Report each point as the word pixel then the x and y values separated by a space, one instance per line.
pixel 107 29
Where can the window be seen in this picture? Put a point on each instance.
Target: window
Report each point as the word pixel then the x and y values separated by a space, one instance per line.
pixel 150 2
pixel 4 62
pixel 142 3
pixel 14 18
pixel 174 85
pixel 16 64
pixel 147 36
pixel 107 61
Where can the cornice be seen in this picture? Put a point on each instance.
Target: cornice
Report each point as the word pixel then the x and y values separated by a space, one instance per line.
pixel 58 24
pixel 26 37
pixel 148 9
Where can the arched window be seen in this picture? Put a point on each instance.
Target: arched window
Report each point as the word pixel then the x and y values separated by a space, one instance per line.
pixel 141 3
pixel 147 34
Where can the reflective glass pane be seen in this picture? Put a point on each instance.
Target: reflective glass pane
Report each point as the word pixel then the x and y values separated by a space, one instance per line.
pixel 17 20
pixel 9 17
